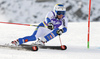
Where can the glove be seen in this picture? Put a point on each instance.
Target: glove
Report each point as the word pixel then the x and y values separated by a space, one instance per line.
pixel 50 26
pixel 60 31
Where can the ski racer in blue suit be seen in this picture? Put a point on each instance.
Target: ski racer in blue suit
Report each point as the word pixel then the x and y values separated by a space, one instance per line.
pixel 55 24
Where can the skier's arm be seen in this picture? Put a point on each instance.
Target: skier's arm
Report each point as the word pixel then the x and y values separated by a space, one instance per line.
pixel 47 21
pixel 65 24
pixel 48 17
pixel 64 27
pixel 63 30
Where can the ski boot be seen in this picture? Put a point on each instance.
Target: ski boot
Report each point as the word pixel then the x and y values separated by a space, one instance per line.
pixel 39 43
pixel 15 43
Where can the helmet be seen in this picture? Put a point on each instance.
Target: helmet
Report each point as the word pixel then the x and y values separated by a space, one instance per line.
pixel 59 9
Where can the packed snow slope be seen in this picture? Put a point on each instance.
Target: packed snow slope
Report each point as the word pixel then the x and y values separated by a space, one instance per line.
pixel 75 39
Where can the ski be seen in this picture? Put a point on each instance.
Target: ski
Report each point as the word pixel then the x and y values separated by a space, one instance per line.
pixel 29 48
pixel 63 47
pixel 33 47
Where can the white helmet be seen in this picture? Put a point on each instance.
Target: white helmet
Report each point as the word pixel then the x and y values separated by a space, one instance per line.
pixel 59 9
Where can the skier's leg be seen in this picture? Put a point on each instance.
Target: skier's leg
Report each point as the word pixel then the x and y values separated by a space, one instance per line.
pixel 43 32
pixel 24 39
pixel 50 35
pixel 37 33
pixel 33 37
pixel 46 36
pixel 40 35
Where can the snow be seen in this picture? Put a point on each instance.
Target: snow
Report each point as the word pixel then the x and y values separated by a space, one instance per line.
pixel 29 11
pixel 75 39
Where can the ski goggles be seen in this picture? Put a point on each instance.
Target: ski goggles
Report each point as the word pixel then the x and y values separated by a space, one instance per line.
pixel 60 12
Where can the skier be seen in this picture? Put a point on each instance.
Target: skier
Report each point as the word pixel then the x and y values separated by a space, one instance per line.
pixel 54 24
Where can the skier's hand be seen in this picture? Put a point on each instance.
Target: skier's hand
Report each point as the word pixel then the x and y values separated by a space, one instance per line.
pixel 50 26
pixel 60 31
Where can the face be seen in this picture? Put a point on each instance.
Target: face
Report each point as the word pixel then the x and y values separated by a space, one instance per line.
pixel 60 16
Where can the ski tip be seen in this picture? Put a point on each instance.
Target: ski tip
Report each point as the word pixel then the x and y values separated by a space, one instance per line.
pixel 34 48
pixel 63 47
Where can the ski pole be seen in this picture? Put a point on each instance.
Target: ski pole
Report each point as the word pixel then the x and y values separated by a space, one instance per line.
pixel 63 47
pixel 21 24
pixel 60 40
pixel 15 23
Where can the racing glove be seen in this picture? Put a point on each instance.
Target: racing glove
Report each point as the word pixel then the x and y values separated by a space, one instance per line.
pixel 50 26
pixel 60 31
